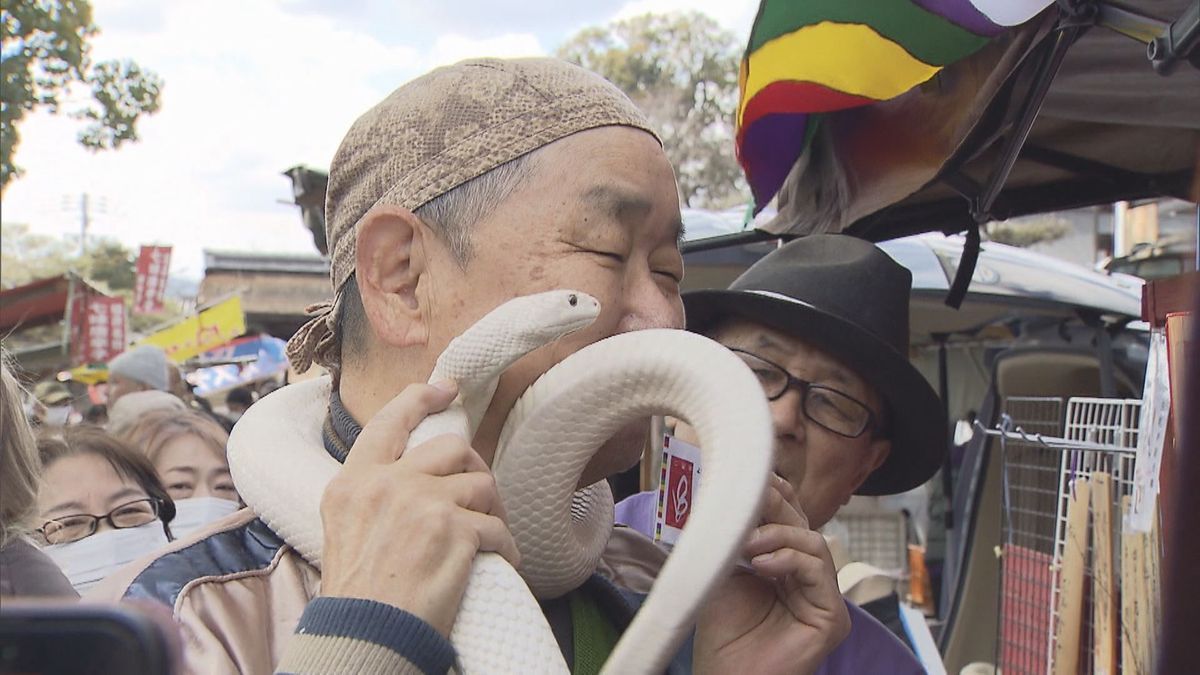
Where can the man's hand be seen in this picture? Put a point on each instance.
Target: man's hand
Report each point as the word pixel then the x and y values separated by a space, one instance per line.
pixel 787 616
pixel 402 527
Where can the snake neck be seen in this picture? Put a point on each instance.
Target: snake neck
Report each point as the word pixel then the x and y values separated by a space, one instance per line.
pixel 340 430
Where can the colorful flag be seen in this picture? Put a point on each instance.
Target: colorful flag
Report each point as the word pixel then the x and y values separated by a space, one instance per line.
pixel 808 57
pixel 153 263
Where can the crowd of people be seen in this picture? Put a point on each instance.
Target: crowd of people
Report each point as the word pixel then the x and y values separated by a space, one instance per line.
pixel 90 493
pixel 466 187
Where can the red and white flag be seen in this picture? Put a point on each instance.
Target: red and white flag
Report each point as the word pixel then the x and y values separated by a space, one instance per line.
pixel 152 265
pixel 100 330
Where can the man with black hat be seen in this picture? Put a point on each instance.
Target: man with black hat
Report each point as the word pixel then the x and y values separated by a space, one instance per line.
pixel 823 322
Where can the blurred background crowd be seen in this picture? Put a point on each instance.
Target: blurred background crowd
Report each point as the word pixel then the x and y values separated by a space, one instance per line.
pixel 84 492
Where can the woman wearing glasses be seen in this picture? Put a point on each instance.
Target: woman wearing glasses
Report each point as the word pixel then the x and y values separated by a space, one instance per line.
pixel 101 503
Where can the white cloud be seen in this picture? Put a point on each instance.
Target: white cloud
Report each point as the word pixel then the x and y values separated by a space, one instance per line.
pixel 244 99
pixel 451 48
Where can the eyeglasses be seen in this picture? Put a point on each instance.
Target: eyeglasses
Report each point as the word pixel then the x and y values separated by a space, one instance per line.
pixel 81 526
pixel 828 408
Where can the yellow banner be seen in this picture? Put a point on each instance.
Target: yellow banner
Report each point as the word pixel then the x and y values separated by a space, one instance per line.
pixel 195 335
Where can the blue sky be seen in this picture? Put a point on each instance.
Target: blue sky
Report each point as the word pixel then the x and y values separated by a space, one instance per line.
pixel 256 86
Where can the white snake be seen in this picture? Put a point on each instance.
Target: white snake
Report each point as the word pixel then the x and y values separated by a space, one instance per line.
pixel 548 439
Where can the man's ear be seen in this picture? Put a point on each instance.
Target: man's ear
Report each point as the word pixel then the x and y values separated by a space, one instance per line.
pixel 877 453
pixel 389 259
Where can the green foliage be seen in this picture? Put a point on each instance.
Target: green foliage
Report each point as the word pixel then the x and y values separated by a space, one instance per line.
pixel 681 70
pixel 45 47
pixel 1025 232
pixel 26 256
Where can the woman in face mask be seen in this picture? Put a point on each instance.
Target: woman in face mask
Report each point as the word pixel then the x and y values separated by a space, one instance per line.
pixel 101 503
pixel 187 450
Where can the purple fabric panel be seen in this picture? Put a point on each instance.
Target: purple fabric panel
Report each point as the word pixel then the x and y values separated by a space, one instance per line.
pixel 770 147
pixel 961 13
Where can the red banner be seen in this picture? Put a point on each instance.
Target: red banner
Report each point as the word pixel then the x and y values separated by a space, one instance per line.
pixel 152 265
pixel 98 328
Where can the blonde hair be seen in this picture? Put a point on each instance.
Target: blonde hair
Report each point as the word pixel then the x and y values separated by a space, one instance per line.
pixel 155 429
pixel 20 466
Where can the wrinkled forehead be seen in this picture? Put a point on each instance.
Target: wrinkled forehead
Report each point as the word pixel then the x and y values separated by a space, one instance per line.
pixel 609 175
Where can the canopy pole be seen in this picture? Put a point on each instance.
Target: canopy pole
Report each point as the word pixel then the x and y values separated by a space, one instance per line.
pixel 944 393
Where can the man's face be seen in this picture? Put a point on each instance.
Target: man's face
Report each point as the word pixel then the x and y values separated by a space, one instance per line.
pixel 599 214
pixel 824 468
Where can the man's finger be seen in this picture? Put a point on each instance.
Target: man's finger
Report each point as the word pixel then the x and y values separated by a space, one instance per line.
pixel 779 509
pixel 444 455
pixel 774 536
pixel 476 491
pixel 493 536
pixel 383 440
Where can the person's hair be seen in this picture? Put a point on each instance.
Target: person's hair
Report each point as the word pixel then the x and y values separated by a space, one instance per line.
pixel 19 463
pixel 126 461
pixel 451 215
pixel 158 428
pixel 96 414
pixel 241 396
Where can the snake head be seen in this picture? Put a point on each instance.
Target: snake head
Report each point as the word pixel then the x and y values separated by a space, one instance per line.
pixel 476 358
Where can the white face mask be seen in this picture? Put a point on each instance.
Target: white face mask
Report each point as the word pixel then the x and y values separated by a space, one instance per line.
pixel 193 514
pixel 88 561
pixel 58 415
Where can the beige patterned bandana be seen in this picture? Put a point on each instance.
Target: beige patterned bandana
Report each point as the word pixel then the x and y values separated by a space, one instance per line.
pixel 438 132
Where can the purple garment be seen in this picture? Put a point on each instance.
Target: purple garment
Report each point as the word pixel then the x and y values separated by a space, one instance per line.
pixel 869 648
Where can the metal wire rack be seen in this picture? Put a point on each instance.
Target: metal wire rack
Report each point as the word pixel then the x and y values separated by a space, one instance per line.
pixel 1042 456
pixel 1030 476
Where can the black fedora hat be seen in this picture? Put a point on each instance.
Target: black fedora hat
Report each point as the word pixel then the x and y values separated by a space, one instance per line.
pixel 848 298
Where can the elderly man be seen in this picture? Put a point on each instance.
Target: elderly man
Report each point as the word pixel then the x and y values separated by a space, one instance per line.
pixel 823 322
pixel 143 368
pixel 465 188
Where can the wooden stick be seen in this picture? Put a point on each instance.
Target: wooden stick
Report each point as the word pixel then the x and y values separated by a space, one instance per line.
pixel 1104 592
pixel 1141 602
pixel 1153 591
pixel 1070 583
pixel 1129 664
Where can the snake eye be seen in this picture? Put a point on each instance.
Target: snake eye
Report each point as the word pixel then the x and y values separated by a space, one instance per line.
pixel 572 300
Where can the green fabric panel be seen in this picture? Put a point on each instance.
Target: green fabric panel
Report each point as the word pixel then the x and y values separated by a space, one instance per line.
pixel 928 37
pixel 594 635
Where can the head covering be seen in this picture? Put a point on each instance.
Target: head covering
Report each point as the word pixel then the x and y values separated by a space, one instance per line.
pixel 131 407
pixel 145 363
pixel 848 298
pixel 437 132
pixel 51 393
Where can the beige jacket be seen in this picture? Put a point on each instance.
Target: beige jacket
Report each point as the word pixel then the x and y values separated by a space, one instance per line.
pixel 235 618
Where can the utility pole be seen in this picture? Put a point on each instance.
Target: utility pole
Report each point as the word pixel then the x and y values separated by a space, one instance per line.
pixel 84 221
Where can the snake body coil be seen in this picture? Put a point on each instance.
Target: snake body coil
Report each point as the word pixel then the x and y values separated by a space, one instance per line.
pixel 548 439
